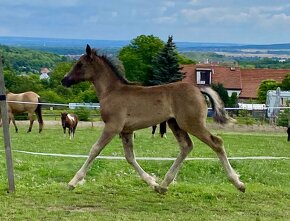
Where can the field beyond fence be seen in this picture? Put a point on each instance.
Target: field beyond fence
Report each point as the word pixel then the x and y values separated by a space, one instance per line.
pixel 114 191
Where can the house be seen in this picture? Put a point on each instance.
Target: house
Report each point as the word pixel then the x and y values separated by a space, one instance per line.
pixel 44 74
pixel 245 82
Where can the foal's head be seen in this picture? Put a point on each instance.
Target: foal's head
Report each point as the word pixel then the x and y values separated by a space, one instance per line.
pixel 63 118
pixel 83 70
pixel 92 67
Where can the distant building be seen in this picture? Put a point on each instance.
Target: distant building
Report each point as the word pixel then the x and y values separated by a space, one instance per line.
pixel 44 74
pixel 245 82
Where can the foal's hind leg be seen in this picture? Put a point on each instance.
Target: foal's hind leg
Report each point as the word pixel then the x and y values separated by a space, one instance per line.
pixel 185 147
pixel 216 144
pixel 105 138
pixel 11 118
pixel 31 120
pixel 130 157
pixel 74 130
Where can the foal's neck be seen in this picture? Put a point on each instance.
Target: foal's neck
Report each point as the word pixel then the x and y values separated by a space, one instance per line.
pixel 105 82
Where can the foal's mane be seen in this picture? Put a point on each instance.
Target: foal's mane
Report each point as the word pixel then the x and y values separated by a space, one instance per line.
pixel 115 65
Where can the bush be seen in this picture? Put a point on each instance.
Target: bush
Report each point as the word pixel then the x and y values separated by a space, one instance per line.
pixel 82 113
pixel 283 118
pixel 243 113
pixel 246 120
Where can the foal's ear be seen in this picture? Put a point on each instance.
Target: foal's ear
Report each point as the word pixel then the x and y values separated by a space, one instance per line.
pixel 88 50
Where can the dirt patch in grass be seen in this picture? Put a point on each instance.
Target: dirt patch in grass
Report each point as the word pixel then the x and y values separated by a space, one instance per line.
pixel 211 126
pixel 247 128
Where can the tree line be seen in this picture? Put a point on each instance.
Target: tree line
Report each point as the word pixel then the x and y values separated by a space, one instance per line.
pixel 141 61
pixel 146 59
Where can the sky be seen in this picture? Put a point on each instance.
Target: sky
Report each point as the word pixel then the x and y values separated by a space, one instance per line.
pixel 214 21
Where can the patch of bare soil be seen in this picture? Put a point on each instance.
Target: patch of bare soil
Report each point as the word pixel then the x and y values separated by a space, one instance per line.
pixel 58 123
pixel 247 128
pixel 212 126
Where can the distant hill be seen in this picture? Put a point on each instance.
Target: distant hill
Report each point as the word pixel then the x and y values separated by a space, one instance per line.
pixel 285 46
pixel 24 60
pixel 76 46
pixel 62 46
pixel 198 51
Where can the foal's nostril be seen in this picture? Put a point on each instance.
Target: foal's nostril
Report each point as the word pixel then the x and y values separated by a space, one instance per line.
pixel 65 82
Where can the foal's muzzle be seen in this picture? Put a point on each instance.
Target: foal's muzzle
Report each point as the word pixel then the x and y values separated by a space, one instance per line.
pixel 67 82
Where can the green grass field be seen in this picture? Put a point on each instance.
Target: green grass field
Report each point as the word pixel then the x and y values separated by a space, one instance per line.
pixel 114 191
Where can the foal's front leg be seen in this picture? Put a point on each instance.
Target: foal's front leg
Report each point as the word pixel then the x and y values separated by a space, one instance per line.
pixel 105 138
pixel 130 157
pixel 70 132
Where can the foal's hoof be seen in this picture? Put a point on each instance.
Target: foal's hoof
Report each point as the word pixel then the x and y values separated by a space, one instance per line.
pixel 160 189
pixel 70 187
pixel 242 188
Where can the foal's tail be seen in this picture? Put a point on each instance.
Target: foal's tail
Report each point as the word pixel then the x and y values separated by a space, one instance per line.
pixel 39 115
pixel 220 115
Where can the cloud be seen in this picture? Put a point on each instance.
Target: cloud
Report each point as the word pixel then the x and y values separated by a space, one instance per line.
pixel 169 3
pixel 92 19
pixel 188 20
pixel 193 2
pixel 202 15
pixel 164 20
pixel 40 3
pixel 114 14
pixel 235 16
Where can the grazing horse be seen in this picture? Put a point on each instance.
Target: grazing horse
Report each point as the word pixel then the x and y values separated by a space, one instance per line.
pixel 126 107
pixel 69 121
pixel 24 102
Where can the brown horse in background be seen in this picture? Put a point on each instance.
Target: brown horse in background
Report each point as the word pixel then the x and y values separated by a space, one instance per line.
pixel 69 121
pixel 24 102
pixel 126 107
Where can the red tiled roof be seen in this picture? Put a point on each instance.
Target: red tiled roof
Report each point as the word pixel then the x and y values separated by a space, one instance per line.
pixel 246 80
pixel 229 77
pixel 252 78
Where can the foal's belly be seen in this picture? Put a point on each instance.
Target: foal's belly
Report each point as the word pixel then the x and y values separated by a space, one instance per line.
pixel 137 122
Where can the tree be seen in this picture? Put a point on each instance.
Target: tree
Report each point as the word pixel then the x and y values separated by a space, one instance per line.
pixel 58 73
pixel 220 89
pixel 51 96
pixel 264 87
pixel 233 100
pixel 165 66
pixel 21 83
pixel 285 85
pixel 137 57
pixel 182 59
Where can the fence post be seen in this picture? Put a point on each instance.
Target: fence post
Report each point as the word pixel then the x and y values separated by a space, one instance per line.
pixel 5 124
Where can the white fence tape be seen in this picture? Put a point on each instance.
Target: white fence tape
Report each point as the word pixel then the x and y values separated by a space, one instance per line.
pixel 152 158
pixel 143 158
pixel 56 104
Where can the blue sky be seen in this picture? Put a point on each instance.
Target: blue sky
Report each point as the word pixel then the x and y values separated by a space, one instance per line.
pixel 239 21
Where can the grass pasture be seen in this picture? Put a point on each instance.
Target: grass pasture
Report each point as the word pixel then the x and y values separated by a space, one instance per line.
pixel 114 191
